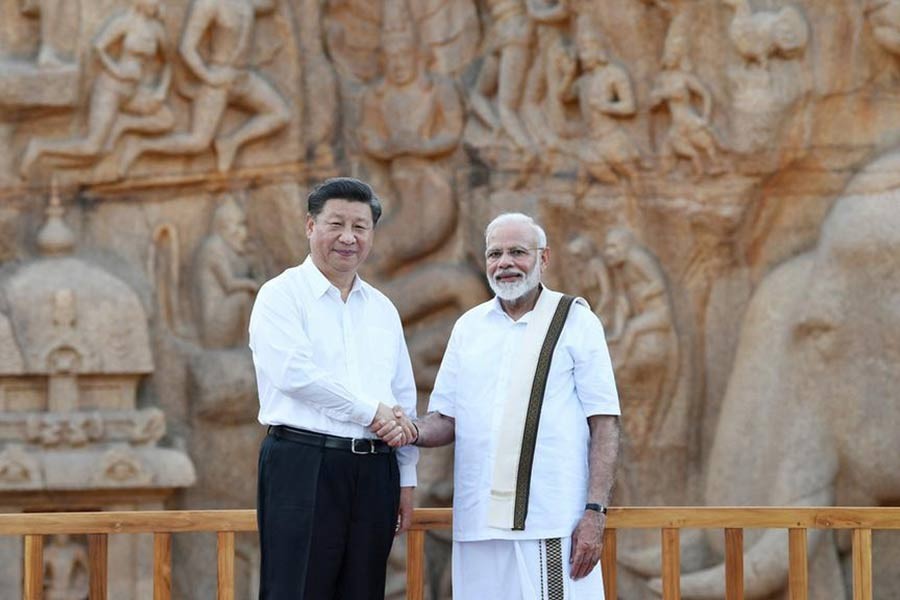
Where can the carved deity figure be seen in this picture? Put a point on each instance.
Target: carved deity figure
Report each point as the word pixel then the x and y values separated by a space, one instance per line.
pixel 409 119
pixel 690 132
pixel 640 332
pixel 505 69
pixel 605 95
pixel 226 78
pixel 124 95
pixel 225 287
pixel 65 569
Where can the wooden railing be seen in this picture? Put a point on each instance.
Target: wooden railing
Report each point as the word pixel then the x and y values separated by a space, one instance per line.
pixel 669 520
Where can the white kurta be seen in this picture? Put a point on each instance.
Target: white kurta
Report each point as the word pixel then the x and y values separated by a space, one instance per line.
pixel 470 388
pixel 323 364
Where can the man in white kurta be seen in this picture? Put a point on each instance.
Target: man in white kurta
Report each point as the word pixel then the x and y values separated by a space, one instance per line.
pixel 555 554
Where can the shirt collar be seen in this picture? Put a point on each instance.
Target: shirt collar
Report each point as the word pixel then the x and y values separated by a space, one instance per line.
pixel 496 307
pixel 320 284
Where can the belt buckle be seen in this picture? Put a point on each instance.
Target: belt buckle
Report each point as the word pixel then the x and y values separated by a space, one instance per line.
pixel 371 449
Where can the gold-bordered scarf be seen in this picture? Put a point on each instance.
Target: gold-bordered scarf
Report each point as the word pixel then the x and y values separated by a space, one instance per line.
pixel 511 482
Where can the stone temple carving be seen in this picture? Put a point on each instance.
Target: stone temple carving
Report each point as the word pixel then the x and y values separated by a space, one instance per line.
pixel 884 15
pixel 65 569
pixel 225 78
pixel 760 35
pixel 126 97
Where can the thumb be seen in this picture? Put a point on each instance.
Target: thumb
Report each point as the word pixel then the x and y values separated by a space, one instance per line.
pixel 398 412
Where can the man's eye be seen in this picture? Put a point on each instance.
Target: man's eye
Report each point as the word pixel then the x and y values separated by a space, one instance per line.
pixel 517 253
pixel 360 228
pixel 493 255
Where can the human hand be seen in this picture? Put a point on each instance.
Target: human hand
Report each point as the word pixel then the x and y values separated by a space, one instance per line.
pixel 404 515
pixel 587 542
pixel 386 427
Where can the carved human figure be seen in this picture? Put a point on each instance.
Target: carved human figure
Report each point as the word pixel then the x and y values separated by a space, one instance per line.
pixel 226 78
pixel 884 17
pixel 225 287
pixel 53 27
pixel 65 569
pixel 505 70
pixel 640 332
pixel 605 95
pixel 409 119
pixel 690 132
pixel 758 36
pixel 124 96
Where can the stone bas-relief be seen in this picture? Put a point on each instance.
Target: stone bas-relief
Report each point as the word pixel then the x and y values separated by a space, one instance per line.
pixel 65 569
pixel 703 140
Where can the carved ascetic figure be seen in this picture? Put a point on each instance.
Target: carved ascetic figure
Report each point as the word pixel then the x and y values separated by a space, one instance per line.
pixel 409 119
pixel 226 78
pixel 65 569
pixel 758 36
pixel 223 277
pixel 124 96
pixel 884 16
pixel 640 333
pixel 53 27
pixel 690 133
pixel 605 95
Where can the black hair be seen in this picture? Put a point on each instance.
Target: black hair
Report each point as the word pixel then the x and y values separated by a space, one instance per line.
pixel 343 188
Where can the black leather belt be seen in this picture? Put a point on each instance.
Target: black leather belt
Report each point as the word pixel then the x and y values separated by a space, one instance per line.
pixel 311 438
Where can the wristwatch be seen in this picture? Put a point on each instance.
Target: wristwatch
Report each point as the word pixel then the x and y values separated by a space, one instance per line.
pixel 600 508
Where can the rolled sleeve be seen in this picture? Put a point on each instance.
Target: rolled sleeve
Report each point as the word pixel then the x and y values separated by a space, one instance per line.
pixel 595 383
pixel 443 395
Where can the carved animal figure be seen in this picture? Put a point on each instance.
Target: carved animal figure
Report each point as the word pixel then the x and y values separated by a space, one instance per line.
pixel 810 416
pixel 760 35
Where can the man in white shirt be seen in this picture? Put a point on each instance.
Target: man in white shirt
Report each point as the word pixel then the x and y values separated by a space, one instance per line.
pixel 331 362
pixel 540 539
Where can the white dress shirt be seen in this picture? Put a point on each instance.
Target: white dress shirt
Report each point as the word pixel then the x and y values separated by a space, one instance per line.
pixel 470 387
pixel 323 364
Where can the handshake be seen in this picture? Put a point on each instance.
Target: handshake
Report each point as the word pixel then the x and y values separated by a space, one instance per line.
pixel 393 427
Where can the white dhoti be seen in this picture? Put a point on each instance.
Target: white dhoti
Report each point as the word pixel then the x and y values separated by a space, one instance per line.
pixel 520 570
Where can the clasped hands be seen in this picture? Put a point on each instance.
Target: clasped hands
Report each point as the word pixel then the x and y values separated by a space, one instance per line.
pixel 392 426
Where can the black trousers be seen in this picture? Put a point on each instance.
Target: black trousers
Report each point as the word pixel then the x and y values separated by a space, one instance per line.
pixel 326 521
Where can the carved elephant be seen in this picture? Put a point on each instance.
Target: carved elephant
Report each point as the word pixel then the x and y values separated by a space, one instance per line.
pixel 811 413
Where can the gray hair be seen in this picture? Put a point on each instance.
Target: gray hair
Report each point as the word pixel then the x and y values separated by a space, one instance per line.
pixel 515 217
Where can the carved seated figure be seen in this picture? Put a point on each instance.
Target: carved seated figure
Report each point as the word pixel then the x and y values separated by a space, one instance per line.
pixel 225 286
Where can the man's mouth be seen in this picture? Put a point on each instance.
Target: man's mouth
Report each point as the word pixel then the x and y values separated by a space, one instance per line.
pixel 507 277
pixel 346 253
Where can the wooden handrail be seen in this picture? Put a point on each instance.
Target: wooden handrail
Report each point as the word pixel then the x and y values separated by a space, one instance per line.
pixel 669 520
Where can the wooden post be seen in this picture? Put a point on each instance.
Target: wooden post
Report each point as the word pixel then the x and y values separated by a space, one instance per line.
pixel 162 566
pixel 862 564
pixel 226 565
pixel 798 573
pixel 34 567
pixel 671 567
pixel 608 564
pixel 415 564
pixel 734 564
pixel 98 559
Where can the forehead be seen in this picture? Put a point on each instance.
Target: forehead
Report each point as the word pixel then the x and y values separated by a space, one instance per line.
pixel 512 234
pixel 338 208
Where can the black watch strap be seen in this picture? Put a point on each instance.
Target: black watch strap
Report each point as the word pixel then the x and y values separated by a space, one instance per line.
pixel 595 507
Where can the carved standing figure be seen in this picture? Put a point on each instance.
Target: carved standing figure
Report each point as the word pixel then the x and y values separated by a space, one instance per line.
pixel 124 96
pixel 225 286
pixel 641 334
pixel 65 569
pixel 605 95
pixel 690 133
pixel 226 78
pixel 53 28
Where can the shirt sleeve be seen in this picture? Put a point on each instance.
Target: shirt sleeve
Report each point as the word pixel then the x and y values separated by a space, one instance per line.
pixel 595 383
pixel 443 395
pixel 403 386
pixel 282 351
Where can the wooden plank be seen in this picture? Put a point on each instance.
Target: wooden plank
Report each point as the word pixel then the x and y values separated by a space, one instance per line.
pixel 162 566
pixel 862 564
pixel 175 521
pixel 671 564
pixel 98 562
pixel 415 565
pixel 734 564
pixel 226 565
pixel 711 517
pixel 608 564
pixel 798 570
pixel 432 518
pixel 34 568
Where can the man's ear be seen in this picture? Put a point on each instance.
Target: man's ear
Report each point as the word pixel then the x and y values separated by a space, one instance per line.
pixel 310 222
pixel 545 257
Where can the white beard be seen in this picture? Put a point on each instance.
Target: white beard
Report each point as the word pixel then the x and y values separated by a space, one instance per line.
pixel 515 290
